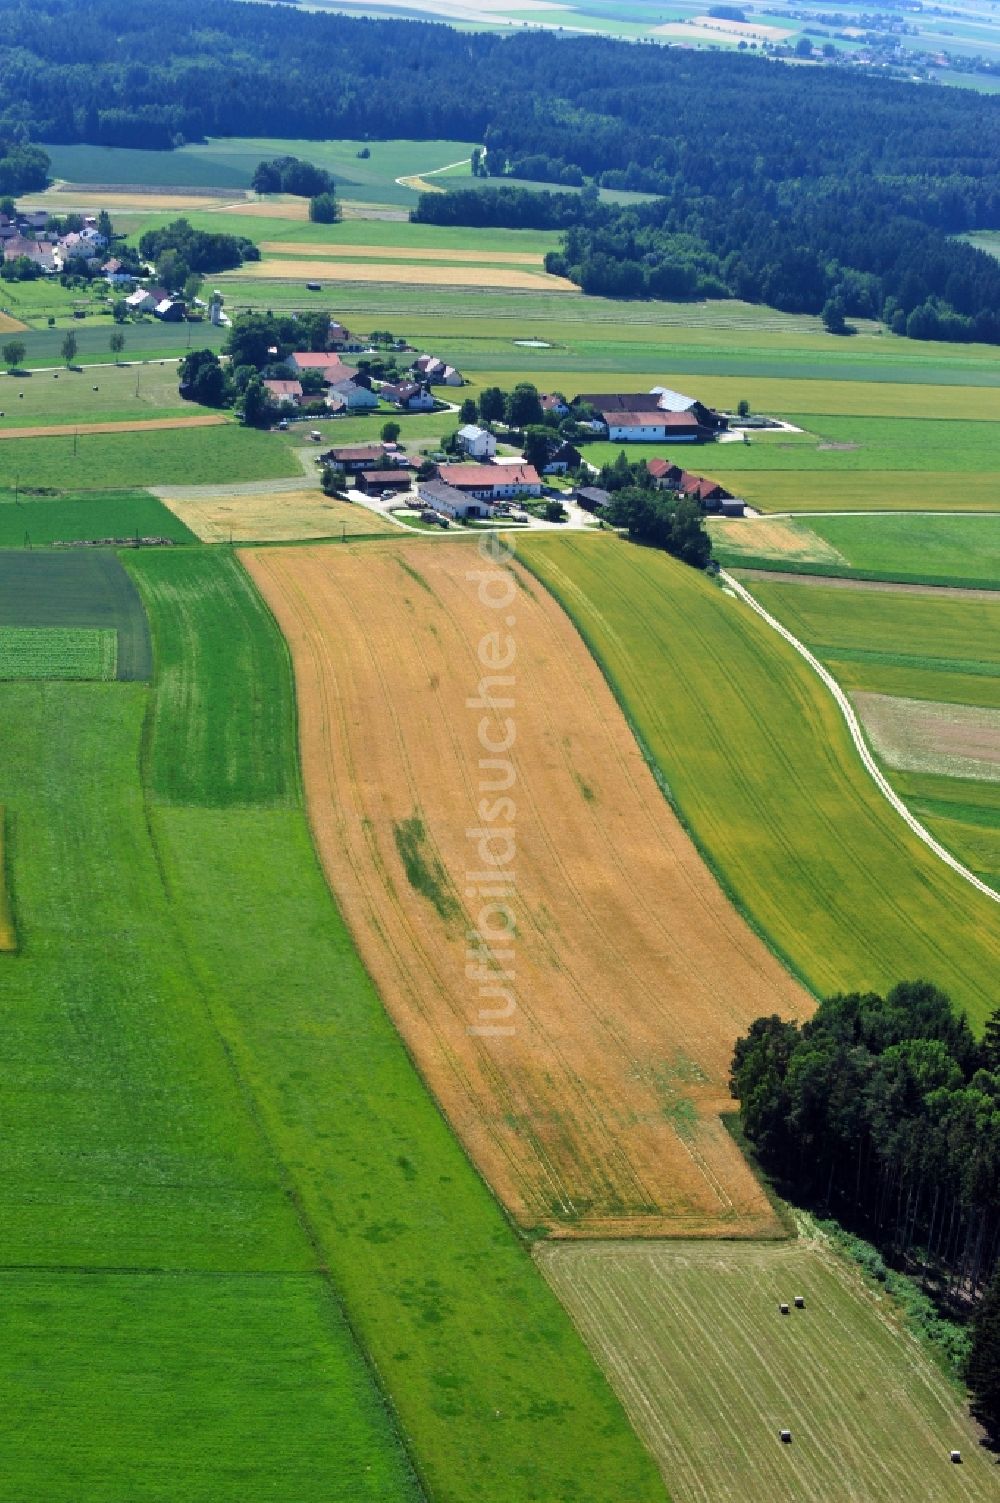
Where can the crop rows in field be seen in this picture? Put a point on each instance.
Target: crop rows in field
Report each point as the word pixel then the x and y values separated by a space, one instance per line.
pixel 595 1108
pixel 758 760
pixel 58 652
pixel 86 588
pixel 710 1372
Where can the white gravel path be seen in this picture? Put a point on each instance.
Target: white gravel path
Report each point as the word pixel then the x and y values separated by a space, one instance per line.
pixel 853 725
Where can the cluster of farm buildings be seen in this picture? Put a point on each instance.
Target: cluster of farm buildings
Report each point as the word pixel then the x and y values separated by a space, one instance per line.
pixel 25 235
pixel 349 389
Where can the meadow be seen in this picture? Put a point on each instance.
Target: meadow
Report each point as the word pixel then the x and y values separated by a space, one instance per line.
pixel 586 1117
pixel 8 933
pixel 710 1372
pixel 914 643
pixel 68 397
pixel 918 549
pixel 31 521
pixel 758 762
pixel 112 461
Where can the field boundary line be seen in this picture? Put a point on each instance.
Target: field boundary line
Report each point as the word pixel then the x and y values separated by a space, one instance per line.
pixel 853 725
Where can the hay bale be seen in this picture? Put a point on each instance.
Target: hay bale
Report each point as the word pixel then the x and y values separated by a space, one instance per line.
pixel 783 1309
pixel 956 1457
pixel 785 1436
pixel 800 1302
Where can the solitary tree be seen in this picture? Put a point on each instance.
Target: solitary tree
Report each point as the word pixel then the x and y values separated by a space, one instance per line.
pixel 13 353
pixel 117 343
pixel 390 432
pixel 491 404
pixel 833 316
pixel 523 406
pixel 468 411
pixel 324 209
pixel 69 348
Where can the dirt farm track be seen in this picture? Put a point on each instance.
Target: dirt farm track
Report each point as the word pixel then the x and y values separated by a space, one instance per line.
pixel 209 420
pixel 596 1111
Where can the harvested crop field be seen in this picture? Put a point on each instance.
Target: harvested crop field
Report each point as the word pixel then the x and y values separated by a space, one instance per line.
pixel 709 1370
pixel 275 517
pixel 582 1057
pixel 918 735
pixel 431 276
pixel 9 325
pixel 140 425
pixel 8 936
pixel 68 197
pixel 401 252
pixel 791 541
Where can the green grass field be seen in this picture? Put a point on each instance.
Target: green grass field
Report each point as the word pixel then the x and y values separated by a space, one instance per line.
pixel 691 1336
pixel 32 521
pixel 223 729
pixel 170 456
pixel 810 492
pixel 78 588
pixel 58 652
pixel 945 550
pixel 895 642
pixel 963 814
pixel 758 761
pixel 124 394
pixel 228 163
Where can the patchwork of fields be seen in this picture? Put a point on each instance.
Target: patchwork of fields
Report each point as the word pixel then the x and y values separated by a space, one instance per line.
pixel 215 1147
pixel 759 762
pixel 596 1109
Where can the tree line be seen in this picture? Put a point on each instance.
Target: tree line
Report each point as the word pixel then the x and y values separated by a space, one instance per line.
pixel 792 187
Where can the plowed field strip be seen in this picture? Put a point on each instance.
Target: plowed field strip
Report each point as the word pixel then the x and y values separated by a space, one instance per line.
pixel 691 1338
pixel 208 420
pixel 400 253
pixel 436 276
pixel 594 1108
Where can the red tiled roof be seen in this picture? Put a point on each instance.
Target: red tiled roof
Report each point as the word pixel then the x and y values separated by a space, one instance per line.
pixel 486 476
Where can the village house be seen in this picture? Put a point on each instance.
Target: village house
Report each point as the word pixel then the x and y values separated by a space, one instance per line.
pixel 553 402
pixel 450 502
pixel 408 396
pixel 348 396
pixel 329 365
pixel 492 482
pixel 688 413
pixel 436 372
pixel 170 309
pixel 351 459
pixel 284 393
pixel 338 338
pixel 478 443
pixel 562 457
pixel 653 426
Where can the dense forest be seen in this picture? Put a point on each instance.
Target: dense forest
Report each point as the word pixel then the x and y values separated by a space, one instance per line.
pixel 886 1110
pixel 799 187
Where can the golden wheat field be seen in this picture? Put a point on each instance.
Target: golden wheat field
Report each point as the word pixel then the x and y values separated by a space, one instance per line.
pixel 401 253
pixel 581 1053
pixel 10 325
pixel 274 517
pixel 277 269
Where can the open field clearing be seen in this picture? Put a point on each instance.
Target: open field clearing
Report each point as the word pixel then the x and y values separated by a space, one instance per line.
pixel 76 590
pixel 936 550
pixel 918 735
pixel 229 163
pixel 48 398
pixel 945 647
pixel 596 1111
pixel 32 521
pixel 709 1371
pixel 137 425
pixel 277 269
pixel 863 490
pixel 58 652
pixel 278 517
pixel 9 325
pixel 8 934
pixel 787 542
pixel 760 764
pixel 841 444
pixel 396 253
pixel 224 453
